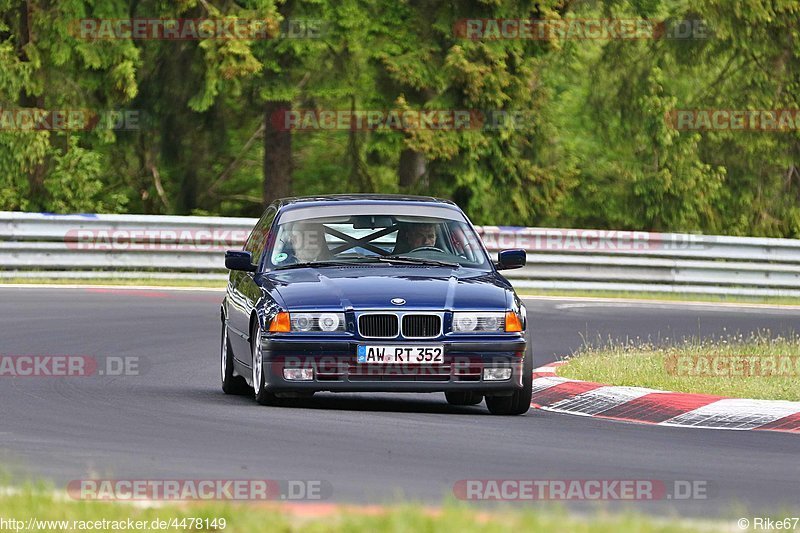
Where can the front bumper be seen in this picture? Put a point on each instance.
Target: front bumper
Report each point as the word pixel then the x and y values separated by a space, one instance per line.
pixel 336 369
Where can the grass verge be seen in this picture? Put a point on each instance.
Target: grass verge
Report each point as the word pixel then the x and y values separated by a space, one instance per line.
pixel 457 518
pixel 123 282
pixel 666 296
pixel 757 367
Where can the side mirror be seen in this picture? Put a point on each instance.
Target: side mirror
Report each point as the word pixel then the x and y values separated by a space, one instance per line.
pixel 239 260
pixel 508 259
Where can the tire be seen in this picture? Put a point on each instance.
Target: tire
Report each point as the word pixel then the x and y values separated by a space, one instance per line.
pixel 262 395
pixel 519 402
pixel 463 398
pixel 231 384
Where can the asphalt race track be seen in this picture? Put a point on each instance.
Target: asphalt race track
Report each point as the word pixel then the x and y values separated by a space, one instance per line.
pixel 174 422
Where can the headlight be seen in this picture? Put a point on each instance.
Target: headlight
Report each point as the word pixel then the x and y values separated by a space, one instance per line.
pixel 478 322
pixel 302 322
pixel 327 322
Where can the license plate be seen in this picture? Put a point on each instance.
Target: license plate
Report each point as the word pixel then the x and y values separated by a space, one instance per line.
pixel 415 355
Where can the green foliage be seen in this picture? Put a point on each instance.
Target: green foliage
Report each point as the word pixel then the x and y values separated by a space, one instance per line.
pixel 644 174
pixel 590 147
pixel 76 182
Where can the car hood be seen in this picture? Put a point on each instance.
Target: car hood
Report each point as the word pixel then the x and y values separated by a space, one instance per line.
pixel 374 287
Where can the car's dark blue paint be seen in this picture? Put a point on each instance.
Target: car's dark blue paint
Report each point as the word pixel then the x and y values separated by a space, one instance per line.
pixel 373 286
pixel 254 298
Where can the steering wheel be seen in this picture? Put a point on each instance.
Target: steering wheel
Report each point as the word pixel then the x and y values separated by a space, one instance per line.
pixel 426 249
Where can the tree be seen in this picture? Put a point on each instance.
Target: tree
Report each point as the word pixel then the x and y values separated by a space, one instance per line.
pixel 47 71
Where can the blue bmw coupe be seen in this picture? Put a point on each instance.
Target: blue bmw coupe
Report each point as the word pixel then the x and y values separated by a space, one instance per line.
pixel 367 293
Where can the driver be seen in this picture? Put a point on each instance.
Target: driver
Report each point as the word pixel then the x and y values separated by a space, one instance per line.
pixel 412 236
pixel 308 242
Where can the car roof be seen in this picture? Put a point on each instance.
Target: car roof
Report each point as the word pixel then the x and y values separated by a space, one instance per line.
pixel 342 199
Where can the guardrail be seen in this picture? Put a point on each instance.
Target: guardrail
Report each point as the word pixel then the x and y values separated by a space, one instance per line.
pixel 34 245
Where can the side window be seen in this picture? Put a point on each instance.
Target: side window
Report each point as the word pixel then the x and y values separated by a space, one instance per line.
pixel 258 237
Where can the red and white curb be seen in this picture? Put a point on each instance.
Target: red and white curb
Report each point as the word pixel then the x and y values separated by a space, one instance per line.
pixel 648 406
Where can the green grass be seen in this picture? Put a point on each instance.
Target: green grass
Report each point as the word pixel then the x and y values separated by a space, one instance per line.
pixel 246 518
pixel 665 296
pixel 133 282
pixel 681 367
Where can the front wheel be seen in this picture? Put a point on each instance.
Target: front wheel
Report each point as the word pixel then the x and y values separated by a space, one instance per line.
pixel 520 401
pixel 262 395
pixel 231 384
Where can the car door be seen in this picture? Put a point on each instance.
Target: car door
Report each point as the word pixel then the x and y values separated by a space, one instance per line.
pixel 244 292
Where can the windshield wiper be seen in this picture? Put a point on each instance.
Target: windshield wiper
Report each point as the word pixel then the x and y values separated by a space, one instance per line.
pixel 313 264
pixel 404 259
pixel 393 259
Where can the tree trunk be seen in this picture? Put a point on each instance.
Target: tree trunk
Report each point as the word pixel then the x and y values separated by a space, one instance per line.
pixel 411 168
pixel 277 152
pixel 36 175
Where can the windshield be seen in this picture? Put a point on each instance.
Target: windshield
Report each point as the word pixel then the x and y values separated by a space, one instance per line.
pixel 305 237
